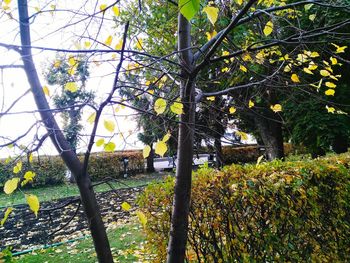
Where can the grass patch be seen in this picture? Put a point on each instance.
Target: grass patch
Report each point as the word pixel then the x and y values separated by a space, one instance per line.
pixel 126 243
pixel 65 190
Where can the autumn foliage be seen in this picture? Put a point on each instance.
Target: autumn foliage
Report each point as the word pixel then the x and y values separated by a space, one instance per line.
pixel 275 212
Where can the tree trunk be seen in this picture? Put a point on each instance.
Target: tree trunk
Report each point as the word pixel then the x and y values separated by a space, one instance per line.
pixel 271 134
pixel 182 193
pixel 150 161
pixel 66 152
pixel 218 152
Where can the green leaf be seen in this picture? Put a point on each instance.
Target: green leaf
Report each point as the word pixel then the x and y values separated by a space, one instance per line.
pixel 188 8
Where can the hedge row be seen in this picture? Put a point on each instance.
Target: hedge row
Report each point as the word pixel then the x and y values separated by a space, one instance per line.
pixel 50 170
pixel 276 212
pixel 249 154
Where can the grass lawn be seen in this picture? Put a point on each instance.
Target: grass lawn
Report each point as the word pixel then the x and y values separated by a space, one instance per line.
pixel 60 191
pixel 126 243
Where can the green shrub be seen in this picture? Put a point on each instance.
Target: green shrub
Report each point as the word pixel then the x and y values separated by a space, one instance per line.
pixel 49 170
pixel 276 212
pixel 109 165
pixel 250 153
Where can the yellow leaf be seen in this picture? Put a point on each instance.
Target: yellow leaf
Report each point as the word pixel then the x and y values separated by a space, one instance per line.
pixel 119 45
pixel 312 66
pixel 314 54
pixel 166 137
pixel 330 85
pixel 288 68
pixel 72 61
pixel 339 49
pixel 56 64
pixel 71 86
pixel 151 91
pixel 211 35
pixel 177 108
pixel 159 106
pixel 232 110
pixel 268 28
pixel 91 118
pixel 243 135
pixel 295 78
pixel 161 148
pixel 109 147
pixel 211 98
pixel 146 151
pixel 46 91
pixel 11 185
pixel 225 69
pixel 330 92
pixel 334 61
pixel 308 71
pixel 103 7
pixel 239 2
pixel 212 13
pixel 100 142
pixel 30 157
pixel 243 68
pixel 29 175
pixel 71 71
pixel 108 40
pixel 17 168
pixel 259 160
pixel 33 203
pixel 115 10
pixel 126 206
pixel 276 107
pixel 251 104
pixel 330 109
pixel 87 44
pixel 7 2
pixel 142 218
pixel 312 17
pixel 325 73
pixel 139 44
pixel 7 212
pixel 109 125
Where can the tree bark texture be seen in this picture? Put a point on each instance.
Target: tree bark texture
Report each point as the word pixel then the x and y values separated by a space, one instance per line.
pixel 150 161
pixel 271 134
pixel 182 193
pixel 66 152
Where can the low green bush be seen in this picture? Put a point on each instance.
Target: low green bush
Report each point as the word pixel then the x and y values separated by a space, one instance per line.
pixel 276 212
pixel 250 153
pixel 49 170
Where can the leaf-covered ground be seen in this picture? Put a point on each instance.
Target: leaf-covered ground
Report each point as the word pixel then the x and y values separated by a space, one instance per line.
pixel 22 230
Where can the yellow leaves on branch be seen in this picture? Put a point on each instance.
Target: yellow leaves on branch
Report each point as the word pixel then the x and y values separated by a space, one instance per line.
pixel 268 29
pixel 243 68
pixel 330 92
pixel 108 41
pixel 46 91
pixel 160 106
pixel 212 13
pixel 28 177
pixel 139 44
pixel 339 49
pixel 33 203
pixel 210 35
pixel 232 110
pixel 91 118
pixel 259 160
pixel 161 148
pixel 330 85
pixel 295 78
pixel 11 185
pixel 100 142
pixel 211 98
pixel 119 45
pixel 116 10
pixel 276 108
pixel 7 213
pixel 166 137
pixel 103 7
pixel 109 125
pixel 177 108
pixel 146 151
pixel 109 147
pixel 71 86
pixel 17 168
pixel 330 109
pixel 251 104
pixel 325 73
pixel 142 218
pixel 243 135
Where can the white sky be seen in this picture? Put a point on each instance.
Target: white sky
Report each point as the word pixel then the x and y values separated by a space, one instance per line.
pixel 49 30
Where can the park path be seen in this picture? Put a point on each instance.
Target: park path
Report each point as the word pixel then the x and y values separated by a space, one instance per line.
pixel 22 230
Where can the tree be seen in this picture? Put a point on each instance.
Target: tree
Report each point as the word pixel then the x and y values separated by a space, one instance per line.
pixel 247 35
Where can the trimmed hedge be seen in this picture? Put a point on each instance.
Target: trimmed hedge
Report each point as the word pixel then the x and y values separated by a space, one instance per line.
pixel 109 165
pixel 249 153
pixel 276 212
pixel 50 170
